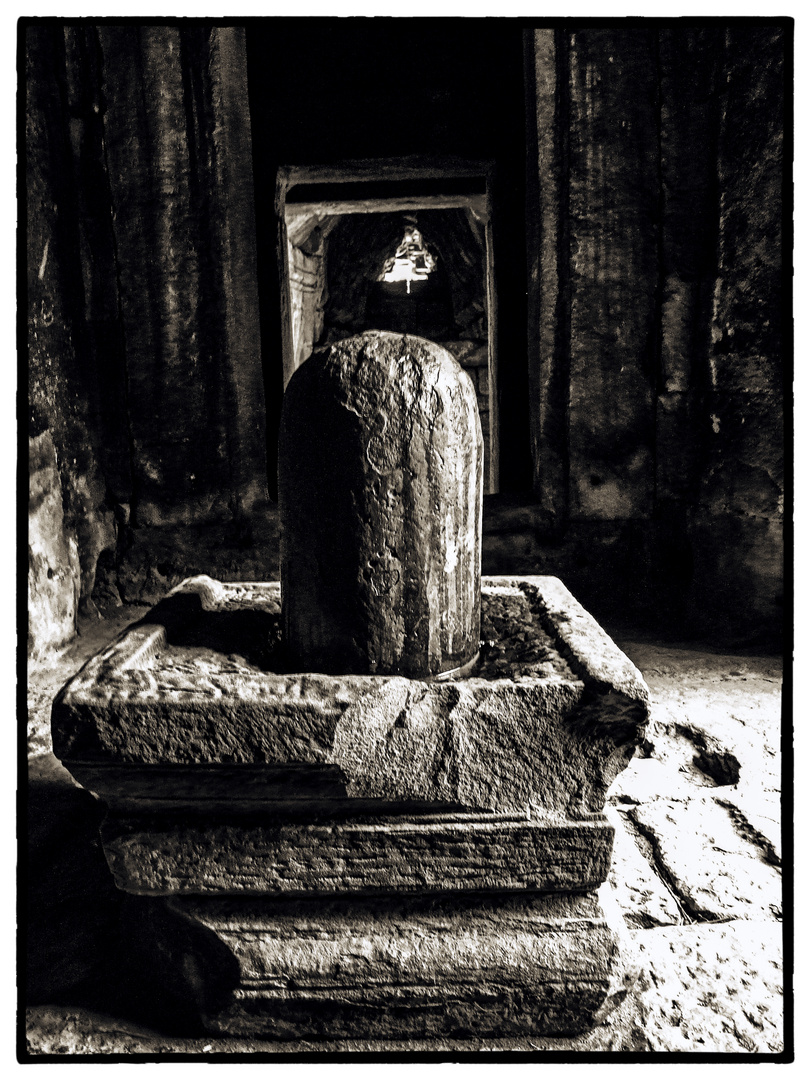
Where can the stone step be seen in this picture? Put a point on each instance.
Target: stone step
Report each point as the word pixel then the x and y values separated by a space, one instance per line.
pixel 166 857
pixel 395 967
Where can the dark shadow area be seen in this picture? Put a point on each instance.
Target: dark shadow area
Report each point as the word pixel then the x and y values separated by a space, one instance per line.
pixel 461 95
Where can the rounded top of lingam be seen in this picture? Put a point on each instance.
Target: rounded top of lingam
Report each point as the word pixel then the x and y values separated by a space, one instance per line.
pixel 380 482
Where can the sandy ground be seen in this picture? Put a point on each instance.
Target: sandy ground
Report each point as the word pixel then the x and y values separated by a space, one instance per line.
pixel 696 874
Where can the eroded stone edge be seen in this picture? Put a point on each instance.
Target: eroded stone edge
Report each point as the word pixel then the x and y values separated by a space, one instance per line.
pixel 199 857
pixel 544 965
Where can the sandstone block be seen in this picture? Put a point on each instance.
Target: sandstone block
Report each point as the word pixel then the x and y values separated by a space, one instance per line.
pixel 362 856
pixel 171 713
pixel 389 968
pixel 702 989
pixel 711 862
pixel 192 856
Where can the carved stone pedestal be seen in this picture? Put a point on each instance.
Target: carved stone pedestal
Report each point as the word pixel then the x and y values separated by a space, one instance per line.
pixel 390 966
pixel 363 856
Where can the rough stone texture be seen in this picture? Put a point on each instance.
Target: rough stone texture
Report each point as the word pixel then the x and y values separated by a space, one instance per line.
pixel 740 503
pixel 46 677
pixel 309 924
pixel 715 988
pixel 734 697
pixel 734 701
pixel 714 530
pixel 612 162
pixel 397 968
pixel 702 990
pixel 617 571
pixel 757 819
pixel 169 693
pixel 380 474
pixel 177 131
pixel 609 569
pixel 705 801
pixel 645 899
pixel 146 368
pixel 656 261
pixel 716 874
pixel 548 267
pixel 473 355
pixel 151 561
pixel 67 490
pixel 381 854
pixel 53 558
pixel 143 332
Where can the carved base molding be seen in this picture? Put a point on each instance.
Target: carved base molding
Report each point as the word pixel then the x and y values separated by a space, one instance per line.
pixel 391 967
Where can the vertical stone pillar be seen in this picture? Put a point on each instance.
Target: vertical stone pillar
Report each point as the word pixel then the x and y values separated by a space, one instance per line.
pixel 688 59
pixel 736 527
pixel 688 96
pixel 380 480
pixel 547 225
pixel 613 243
pixel 178 148
pixel 593 190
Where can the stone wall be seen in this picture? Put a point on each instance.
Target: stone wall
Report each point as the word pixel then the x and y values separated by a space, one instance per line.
pixel 70 521
pixel 735 526
pixel 655 359
pixel 648 408
pixel 147 389
pixel 177 139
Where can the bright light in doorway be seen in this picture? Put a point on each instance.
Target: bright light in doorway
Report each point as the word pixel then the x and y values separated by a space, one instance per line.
pixel 412 261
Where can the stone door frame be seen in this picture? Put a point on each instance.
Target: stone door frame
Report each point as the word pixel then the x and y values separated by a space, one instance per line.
pixel 356 199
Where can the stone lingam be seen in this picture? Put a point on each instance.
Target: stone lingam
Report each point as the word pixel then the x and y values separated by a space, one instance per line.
pixel 367 801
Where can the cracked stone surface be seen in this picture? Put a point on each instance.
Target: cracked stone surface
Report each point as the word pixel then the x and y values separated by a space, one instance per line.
pixel 172 693
pixel 706 801
pixel 716 872
pixel 644 897
pixel 705 986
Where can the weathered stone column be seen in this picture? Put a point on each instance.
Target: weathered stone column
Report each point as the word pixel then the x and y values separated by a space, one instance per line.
pixel 178 150
pixel 548 265
pixel 613 245
pixel 593 217
pixel 380 480
pixel 736 526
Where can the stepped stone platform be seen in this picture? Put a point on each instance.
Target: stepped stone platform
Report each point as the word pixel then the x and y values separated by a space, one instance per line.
pixel 363 856
pixel 703 914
